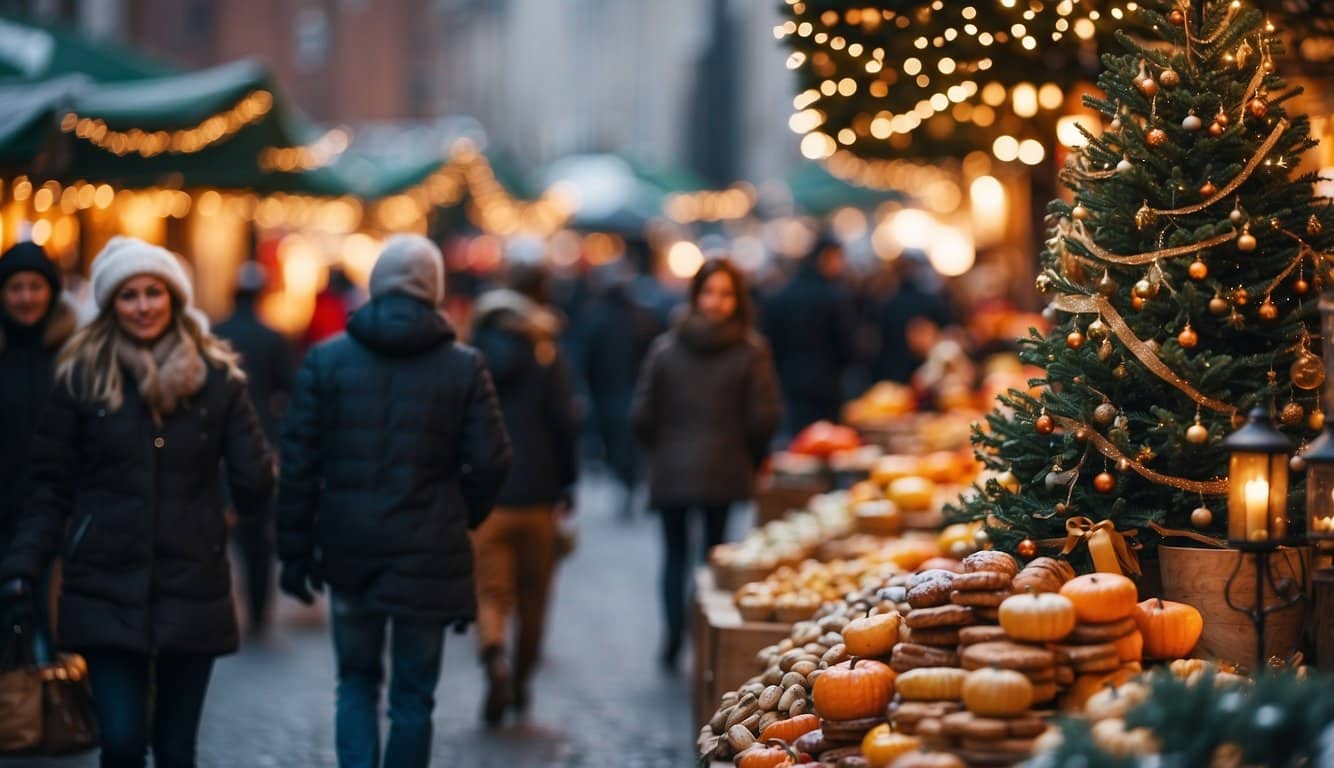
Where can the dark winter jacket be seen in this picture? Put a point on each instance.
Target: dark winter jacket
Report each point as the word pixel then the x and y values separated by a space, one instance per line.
pixel 393 447
pixel 139 509
pixel 896 362
pixel 812 328
pixel 706 407
pixel 27 361
pixel 267 359
pixel 518 339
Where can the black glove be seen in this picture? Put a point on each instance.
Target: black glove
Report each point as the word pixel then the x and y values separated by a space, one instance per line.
pixel 301 579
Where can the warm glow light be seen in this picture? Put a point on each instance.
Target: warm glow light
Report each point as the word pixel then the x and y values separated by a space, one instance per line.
pixel 1050 96
pixel 805 121
pixel 684 259
pixel 360 252
pixel 817 146
pixel 1031 152
pixel 993 94
pixel 912 228
pixel 1068 133
pixel 986 196
pixel 1005 148
pixel 951 252
pixel 1257 509
pixel 1025 98
pixel 41 231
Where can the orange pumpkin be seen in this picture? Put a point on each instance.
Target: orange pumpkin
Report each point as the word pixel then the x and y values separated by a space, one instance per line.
pixel 791 729
pixel 997 692
pixel 931 684
pixel 1170 629
pixel 1130 647
pixel 773 753
pixel 824 439
pixel 1037 617
pixel 912 493
pixel 857 689
pixel 1101 597
pixel 872 635
pixel 1085 686
pixel 881 746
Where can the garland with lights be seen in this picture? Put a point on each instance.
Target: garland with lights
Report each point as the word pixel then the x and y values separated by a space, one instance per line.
pixel 250 109
pixel 1157 266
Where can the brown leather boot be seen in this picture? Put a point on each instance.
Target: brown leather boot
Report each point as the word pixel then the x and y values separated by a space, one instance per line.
pixel 498 681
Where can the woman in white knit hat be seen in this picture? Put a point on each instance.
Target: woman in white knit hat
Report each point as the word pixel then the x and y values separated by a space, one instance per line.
pixel 125 486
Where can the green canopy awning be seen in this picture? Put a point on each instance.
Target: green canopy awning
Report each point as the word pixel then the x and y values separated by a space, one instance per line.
pixel 37 52
pixel 818 192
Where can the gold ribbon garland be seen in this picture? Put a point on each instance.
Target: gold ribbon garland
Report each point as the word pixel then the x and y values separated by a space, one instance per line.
pixel 1108 547
pixel 1237 181
pixel 1166 532
pixel 1216 487
pixel 1080 235
pixel 1088 305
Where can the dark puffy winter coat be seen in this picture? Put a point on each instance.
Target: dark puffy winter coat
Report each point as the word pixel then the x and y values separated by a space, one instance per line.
pixel 518 339
pixel 267 359
pixel 393 447
pixel 705 409
pixel 812 328
pixel 27 360
pixel 140 511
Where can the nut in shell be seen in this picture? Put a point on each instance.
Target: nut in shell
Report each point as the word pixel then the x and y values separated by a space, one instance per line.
pixel 740 737
pixel 769 698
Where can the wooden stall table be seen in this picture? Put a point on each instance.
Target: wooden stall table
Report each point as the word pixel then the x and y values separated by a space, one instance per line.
pixel 725 645
pixel 775 496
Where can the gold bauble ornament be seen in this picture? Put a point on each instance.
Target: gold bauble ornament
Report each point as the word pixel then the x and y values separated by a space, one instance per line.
pixel 1097 330
pixel 1268 312
pixel 1148 86
pixel 1137 303
pixel 1177 18
pixel 1207 189
pixel 1027 549
pixel 1105 350
pixel 981 538
pixel 1106 285
pixel 1218 305
pixel 1044 424
pixel 1079 212
pixel 1156 137
pixel 1169 78
pixel 1315 420
pixel 1008 481
pixel 1124 165
pixel 1198 270
pixel 1104 482
pixel 1307 371
pixel 1236 216
pixel 1043 283
pixel 1258 108
pixel 1104 414
pixel 1188 338
pixel 1292 414
pixel 1197 434
pixel 1297 463
pixel 1313 226
pixel 1301 286
pixel 1074 339
pixel 1144 289
pixel 1246 242
pixel 1240 297
pixel 1215 129
pixel 1202 517
pixel 1120 371
pixel 1192 122
pixel 1145 217
pixel 1221 118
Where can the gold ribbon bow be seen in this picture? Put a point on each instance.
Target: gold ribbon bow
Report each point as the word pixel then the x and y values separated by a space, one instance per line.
pixel 1108 547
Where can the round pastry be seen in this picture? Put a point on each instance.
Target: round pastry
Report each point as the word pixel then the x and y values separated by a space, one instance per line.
pixel 940 616
pixel 991 560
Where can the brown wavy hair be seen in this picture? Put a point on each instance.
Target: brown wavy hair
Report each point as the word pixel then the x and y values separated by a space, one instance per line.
pixel 745 310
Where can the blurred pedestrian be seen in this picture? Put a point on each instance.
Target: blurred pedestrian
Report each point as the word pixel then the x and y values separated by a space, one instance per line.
pixel 35 320
pixel 333 304
pixel 705 409
pixel 811 324
pixel 125 462
pixel 393 448
pixel 911 319
pixel 267 360
pixel 516 331
pixel 621 327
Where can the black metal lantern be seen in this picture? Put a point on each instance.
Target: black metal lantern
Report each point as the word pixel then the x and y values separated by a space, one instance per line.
pixel 1319 458
pixel 1257 503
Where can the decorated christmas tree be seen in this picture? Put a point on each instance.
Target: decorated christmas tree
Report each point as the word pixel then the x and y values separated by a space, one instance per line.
pixel 1182 281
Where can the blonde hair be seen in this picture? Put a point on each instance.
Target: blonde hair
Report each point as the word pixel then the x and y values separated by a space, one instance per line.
pixel 89 363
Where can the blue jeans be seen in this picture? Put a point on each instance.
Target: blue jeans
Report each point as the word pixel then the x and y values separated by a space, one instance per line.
pixel 416 647
pixel 129 686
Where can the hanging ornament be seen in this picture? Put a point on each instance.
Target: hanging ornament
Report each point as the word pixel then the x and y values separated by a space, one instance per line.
pixel 1202 517
pixel 1145 217
pixel 1315 420
pixel 1104 482
pixel 1137 303
pixel 1221 118
pixel 1188 338
pixel 1246 241
pixel 1216 129
pixel 1169 78
pixel 1106 285
pixel 1104 414
pixel 981 538
pixel 1027 549
pixel 1120 371
pixel 1218 305
pixel 1236 216
pixel 1044 424
pixel 1043 283
pixel 1060 508
pixel 1144 289
pixel 1207 189
pixel 1197 433
pixel 1307 371
pixel 1105 350
pixel 1124 165
pixel 1147 86
pixel 1257 108
pixel 1301 286
pixel 1292 414
pixel 1241 296
pixel 1313 226
pixel 1115 125
pixel 1197 270
pixel 1097 329
pixel 1079 212
pixel 1058 478
pixel 1156 137
pixel 1074 339
pixel 1192 122
pixel 1177 18
pixel 1082 435
pixel 1268 312
pixel 1297 463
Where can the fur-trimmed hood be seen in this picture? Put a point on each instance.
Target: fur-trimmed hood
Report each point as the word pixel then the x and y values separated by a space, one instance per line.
pixel 59 325
pixel 513 311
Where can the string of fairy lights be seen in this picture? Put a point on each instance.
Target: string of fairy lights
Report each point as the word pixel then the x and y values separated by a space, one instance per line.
pixel 212 130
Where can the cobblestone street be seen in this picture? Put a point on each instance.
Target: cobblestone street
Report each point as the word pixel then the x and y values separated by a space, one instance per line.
pixel 599 699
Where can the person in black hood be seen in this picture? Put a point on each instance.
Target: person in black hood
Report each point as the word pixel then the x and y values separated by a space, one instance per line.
pixel 811 324
pixel 516 330
pixel 393 448
pixel 705 409
pixel 35 321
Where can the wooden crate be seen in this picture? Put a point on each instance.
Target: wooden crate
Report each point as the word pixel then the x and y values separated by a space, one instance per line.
pixel 773 499
pixel 725 645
